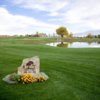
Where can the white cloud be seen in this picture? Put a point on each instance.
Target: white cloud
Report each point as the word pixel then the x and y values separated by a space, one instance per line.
pixel 42 5
pixel 17 24
pixel 53 14
pixel 78 15
pixel 84 13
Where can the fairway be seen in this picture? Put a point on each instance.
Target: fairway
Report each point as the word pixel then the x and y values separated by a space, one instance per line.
pixel 74 74
pixel 49 50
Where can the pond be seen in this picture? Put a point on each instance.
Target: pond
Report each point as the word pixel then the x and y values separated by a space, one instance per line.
pixel 75 44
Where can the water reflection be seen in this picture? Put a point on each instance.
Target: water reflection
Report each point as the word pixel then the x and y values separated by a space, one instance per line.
pixel 75 44
pixel 98 42
pixel 62 44
pixel 89 42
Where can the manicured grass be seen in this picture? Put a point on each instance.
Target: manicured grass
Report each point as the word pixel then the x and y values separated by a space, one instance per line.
pixel 74 74
pixel 25 40
pixel 39 40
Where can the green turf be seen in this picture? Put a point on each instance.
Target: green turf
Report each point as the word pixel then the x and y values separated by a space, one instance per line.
pixel 74 74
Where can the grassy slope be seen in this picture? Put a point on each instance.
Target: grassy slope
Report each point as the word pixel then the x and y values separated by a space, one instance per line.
pixel 74 73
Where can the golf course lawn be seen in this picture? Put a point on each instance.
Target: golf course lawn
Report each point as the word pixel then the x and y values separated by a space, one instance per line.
pixel 74 74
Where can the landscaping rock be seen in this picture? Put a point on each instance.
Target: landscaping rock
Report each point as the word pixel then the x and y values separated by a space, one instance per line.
pixel 7 79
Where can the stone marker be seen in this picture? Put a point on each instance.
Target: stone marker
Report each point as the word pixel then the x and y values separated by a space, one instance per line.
pixel 30 65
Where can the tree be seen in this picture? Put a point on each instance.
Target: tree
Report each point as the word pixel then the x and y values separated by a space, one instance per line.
pixel 62 31
pixel 89 35
pixel 99 36
pixel 71 35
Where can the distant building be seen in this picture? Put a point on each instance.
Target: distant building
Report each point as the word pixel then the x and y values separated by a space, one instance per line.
pixel 4 36
pixel 40 35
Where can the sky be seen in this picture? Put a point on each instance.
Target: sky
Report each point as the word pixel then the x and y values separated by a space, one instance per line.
pixel 20 17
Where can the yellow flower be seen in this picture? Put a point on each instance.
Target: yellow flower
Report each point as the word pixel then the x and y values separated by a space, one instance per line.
pixel 41 78
pixel 28 78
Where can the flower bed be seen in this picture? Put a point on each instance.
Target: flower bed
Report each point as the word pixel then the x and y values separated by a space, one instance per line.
pixel 25 78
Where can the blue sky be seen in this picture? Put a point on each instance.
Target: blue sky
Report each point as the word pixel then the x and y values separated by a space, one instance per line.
pixel 30 16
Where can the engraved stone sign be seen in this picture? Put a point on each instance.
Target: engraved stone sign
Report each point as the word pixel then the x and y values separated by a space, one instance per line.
pixel 30 65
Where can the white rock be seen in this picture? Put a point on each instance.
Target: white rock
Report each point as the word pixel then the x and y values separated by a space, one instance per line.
pixel 43 74
pixel 7 79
